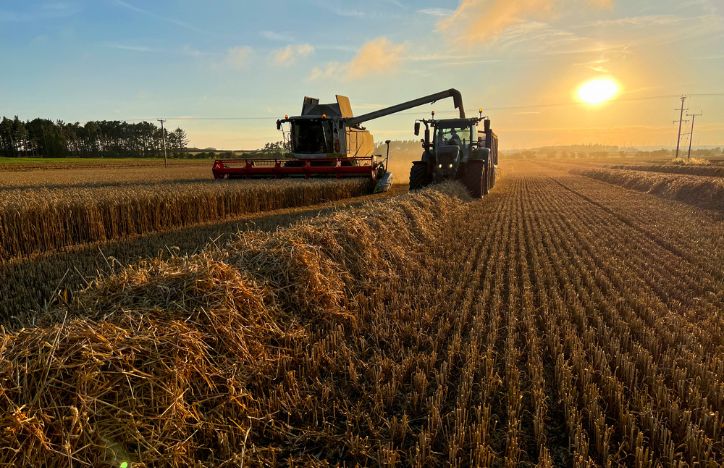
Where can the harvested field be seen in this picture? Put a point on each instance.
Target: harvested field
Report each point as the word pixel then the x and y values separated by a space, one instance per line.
pixel 709 171
pixel 86 177
pixel 705 192
pixel 39 219
pixel 530 328
pixel 12 164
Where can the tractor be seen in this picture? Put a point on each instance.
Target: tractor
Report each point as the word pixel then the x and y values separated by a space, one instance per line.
pixel 457 149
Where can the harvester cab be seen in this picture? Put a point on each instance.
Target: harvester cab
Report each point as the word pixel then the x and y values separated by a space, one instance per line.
pixel 464 149
pixel 327 140
pixel 321 131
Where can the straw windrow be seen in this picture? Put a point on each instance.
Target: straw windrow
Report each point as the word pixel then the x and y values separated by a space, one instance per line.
pixel 205 359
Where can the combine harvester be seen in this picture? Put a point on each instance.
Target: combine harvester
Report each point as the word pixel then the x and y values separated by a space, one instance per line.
pixel 328 141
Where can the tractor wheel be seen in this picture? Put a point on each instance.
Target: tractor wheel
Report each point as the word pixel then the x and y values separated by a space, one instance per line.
pixel 418 175
pixel 486 180
pixel 474 179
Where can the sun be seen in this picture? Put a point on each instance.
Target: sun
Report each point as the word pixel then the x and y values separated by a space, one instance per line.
pixel 598 91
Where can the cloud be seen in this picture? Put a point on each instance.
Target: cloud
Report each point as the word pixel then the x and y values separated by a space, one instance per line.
pixel 131 47
pixel 348 12
pixel 483 20
pixel 373 57
pixel 604 4
pixel 43 11
pixel 291 53
pixel 238 57
pixel 277 36
pixel 167 19
pixel 441 12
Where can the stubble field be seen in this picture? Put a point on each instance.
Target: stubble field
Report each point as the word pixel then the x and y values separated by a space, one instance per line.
pixel 560 321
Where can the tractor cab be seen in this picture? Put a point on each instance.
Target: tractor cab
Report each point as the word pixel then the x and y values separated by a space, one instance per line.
pixel 452 145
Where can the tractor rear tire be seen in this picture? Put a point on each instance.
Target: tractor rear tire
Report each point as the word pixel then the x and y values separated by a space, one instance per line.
pixel 486 180
pixel 418 176
pixel 474 179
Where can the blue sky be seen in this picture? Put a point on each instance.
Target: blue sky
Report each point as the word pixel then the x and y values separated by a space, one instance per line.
pixel 224 60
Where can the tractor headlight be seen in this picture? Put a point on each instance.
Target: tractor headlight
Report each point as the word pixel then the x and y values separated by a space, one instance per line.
pixel 451 166
pixel 439 166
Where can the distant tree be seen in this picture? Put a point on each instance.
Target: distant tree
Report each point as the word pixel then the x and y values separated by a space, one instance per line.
pixel 45 138
pixel 7 142
pixel 178 141
pixel 274 147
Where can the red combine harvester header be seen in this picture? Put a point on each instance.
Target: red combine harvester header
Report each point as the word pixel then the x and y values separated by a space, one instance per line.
pixel 361 166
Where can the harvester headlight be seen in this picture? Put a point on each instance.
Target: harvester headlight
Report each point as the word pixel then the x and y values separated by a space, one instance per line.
pixel 439 166
pixel 451 166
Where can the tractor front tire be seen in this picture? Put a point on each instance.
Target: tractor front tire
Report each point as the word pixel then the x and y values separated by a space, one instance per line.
pixel 418 176
pixel 474 179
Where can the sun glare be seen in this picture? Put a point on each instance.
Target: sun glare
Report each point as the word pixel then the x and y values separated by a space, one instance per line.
pixel 597 91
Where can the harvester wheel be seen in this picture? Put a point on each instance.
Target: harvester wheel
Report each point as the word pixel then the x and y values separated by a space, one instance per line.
pixel 474 179
pixel 418 175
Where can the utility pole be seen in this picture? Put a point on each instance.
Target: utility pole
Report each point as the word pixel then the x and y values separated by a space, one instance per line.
pixel 681 117
pixel 691 134
pixel 163 137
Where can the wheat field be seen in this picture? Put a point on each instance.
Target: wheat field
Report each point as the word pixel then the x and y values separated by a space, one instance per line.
pixel 529 328
pixel 39 219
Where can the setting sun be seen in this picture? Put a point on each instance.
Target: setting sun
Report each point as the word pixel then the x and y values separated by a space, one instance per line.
pixel 597 91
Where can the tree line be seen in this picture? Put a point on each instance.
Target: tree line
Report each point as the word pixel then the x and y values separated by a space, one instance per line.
pixel 45 138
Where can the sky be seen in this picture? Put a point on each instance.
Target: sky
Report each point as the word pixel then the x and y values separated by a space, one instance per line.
pixel 225 70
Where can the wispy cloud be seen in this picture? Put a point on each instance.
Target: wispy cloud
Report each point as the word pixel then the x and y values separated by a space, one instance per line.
pixel 277 36
pixel 710 57
pixel 238 57
pixel 483 20
pixel 130 47
pixel 291 53
pixel 439 12
pixel 373 57
pixel 658 30
pixel 43 11
pixel 164 18
pixel 452 59
pixel 348 12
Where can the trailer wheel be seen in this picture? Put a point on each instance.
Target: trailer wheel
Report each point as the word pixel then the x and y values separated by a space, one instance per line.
pixel 474 179
pixel 492 176
pixel 418 175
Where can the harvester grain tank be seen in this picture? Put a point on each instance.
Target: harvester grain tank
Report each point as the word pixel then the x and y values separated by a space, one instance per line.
pixel 457 149
pixel 327 140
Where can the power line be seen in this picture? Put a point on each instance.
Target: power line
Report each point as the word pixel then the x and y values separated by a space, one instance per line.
pixel 511 107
